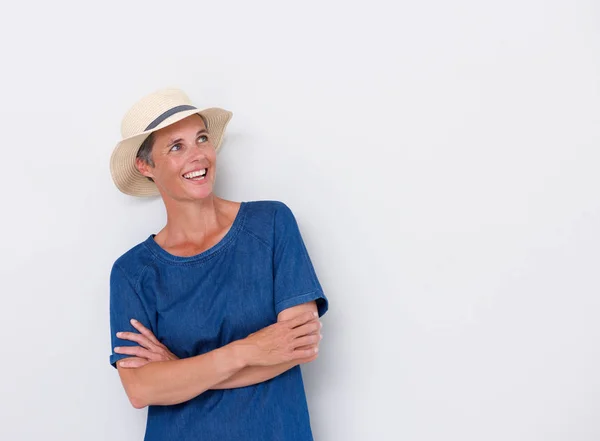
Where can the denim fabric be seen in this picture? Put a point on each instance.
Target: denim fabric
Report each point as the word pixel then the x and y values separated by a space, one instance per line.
pixel 199 303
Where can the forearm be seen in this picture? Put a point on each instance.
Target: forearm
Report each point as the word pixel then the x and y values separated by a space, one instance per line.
pixel 257 374
pixel 177 381
pixel 254 374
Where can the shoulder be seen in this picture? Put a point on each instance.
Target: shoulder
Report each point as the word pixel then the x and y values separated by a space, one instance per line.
pixel 267 208
pixel 264 218
pixel 132 262
pixel 268 211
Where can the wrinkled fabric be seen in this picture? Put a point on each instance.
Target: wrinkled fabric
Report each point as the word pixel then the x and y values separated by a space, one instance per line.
pixel 199 303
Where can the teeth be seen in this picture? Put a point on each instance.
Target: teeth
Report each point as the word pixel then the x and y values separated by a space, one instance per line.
pixel 195 174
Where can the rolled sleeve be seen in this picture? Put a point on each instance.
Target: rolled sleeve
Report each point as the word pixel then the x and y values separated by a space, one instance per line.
pixel 125 304
pixel 295 279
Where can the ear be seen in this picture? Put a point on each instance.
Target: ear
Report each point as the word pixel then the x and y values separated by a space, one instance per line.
pixel 143 168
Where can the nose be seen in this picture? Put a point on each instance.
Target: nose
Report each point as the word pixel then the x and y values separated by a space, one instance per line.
pixel 199 151
pixel 198 158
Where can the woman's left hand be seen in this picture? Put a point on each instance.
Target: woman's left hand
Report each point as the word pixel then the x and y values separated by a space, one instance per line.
pixel 150 348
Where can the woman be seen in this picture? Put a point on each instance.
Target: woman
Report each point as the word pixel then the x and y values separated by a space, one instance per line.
pixel 224 299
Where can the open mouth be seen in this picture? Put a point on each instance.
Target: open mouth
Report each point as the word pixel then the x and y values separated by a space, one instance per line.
pixel 197 175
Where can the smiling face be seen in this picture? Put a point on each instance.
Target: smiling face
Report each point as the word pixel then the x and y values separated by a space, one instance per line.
pixel 184 160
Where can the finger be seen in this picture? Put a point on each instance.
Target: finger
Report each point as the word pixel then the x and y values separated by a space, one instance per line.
pixel 307 329
pixel 145 331
pixel 137 351
pixel 305 353
pixel 302 319
pixel 312 339
pixel 308 359
pixel 138 338
pixel 132 362
pixel 305 347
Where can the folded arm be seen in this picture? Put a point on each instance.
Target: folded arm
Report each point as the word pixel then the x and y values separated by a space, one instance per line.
pixel 257 374
pixel 175 381
pixel 160 378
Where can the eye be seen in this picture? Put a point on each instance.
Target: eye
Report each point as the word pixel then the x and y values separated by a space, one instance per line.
pixel 204 137
pixel 173 149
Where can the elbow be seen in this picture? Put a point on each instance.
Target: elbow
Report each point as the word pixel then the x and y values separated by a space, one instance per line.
pixel 137 398
pixel 143 386
pixel 137 403
pixel 137 393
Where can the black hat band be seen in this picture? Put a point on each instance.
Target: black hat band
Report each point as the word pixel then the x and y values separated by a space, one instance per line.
pixel 167 114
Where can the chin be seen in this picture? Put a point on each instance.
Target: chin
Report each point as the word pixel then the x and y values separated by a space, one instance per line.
pixel 200 193
pixel 186 194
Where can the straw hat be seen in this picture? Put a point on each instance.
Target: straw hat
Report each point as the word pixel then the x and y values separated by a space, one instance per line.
pixel 153 112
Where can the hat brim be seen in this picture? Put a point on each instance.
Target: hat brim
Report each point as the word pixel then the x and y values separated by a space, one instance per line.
pixel 123 170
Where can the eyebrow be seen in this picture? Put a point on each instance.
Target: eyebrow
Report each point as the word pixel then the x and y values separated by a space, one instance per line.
pixel 175 141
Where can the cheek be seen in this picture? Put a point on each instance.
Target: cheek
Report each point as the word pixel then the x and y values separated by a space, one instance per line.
pixel 170 167
pixel 212 156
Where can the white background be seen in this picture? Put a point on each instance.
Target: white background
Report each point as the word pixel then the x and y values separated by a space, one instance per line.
pixel 441 159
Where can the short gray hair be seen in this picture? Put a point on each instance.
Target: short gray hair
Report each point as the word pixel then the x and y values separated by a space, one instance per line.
pixel 145 150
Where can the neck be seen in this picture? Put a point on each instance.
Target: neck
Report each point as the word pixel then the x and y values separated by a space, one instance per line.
pixel 192 221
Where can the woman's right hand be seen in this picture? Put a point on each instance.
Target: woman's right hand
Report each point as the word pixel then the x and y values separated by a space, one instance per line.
pixel 284 341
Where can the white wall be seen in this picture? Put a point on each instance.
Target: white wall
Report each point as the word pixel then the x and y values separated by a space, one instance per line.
pixel 441 158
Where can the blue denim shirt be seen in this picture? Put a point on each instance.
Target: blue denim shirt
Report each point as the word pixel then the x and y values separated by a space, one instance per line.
pixel 199 303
